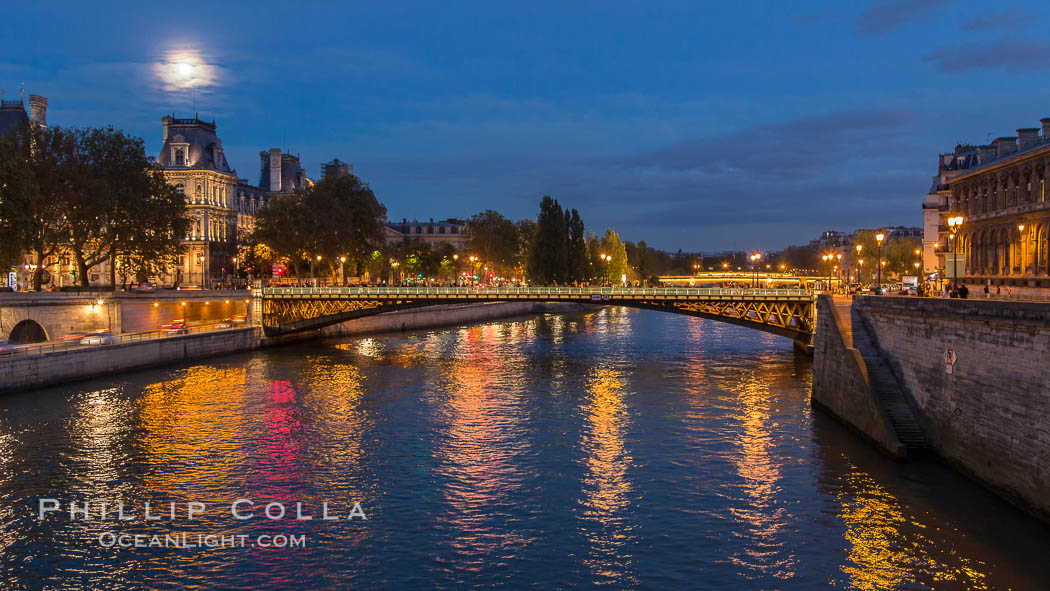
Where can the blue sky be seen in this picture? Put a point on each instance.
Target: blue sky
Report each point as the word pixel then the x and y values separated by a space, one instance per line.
pixel 694 125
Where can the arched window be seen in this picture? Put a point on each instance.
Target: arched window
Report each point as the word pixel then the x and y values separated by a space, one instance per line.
pixel 198 194
pixel 180 189
pixel 180 157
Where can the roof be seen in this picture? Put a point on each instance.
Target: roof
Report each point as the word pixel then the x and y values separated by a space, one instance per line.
pixel 204 147
pixel 12 116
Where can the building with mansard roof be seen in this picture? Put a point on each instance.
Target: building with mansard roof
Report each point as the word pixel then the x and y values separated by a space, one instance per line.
pixel 1000 192
pixel 222 206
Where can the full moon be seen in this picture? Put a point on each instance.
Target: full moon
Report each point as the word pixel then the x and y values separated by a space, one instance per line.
pixel 185 69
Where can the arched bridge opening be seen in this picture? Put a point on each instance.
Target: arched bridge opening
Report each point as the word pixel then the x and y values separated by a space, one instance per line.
pixel 27 331
pixel 789 313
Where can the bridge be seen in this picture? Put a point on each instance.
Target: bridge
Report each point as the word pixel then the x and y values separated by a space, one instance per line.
pixel 785 312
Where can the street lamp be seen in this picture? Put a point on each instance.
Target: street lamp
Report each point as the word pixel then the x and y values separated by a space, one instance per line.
pixel 1024 248
pixel 860 265
pixel 879 238
pixel 342 270
pixel 953 224
pixel 754 268
pixel 204 276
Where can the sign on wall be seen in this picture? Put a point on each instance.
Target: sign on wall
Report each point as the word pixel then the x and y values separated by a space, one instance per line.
pixel 949 360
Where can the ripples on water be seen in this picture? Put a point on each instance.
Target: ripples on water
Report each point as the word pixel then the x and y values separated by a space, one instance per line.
pixel 626 448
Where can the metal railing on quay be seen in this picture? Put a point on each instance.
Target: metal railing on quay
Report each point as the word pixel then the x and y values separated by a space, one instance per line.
pixel 111 340
pixel 537 291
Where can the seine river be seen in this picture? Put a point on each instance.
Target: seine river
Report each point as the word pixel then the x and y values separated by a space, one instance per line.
pixel 621 448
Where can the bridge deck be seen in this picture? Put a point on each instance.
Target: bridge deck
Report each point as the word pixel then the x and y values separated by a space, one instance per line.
pixel 538 293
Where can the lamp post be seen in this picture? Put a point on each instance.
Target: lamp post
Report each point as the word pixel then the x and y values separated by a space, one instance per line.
pixel 860 247
pixel 879 238
pixel 755 257
pixel 860 265
pixel 342 270
pixel 954 223
pixel 234 281
pixel 1024 249
pixel 825 269
pixel 472 259
pixel 204 276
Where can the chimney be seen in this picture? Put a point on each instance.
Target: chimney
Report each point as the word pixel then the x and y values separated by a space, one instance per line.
pixel 165 121
pixel 1005 145
pixel 1046 128
pixel 38 109
pixel 1028 137
pixel 275 170
pixel 986 154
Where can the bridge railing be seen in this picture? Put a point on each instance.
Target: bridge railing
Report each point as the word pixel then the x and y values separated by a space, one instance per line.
pixel 537 291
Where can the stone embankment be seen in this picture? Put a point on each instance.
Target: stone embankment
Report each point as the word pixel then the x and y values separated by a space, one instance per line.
pixel 971 374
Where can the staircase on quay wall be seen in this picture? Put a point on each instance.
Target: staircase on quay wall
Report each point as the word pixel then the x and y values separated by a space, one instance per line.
pixel 884 383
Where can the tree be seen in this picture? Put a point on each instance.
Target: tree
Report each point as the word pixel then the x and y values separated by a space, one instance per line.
pixel 120 208
pixel 616 256
pixel 578 263
pixel 526 234
pixel 346 220
pixel 494 239
pixel 284 227
pixel 37 168
pixel 548 254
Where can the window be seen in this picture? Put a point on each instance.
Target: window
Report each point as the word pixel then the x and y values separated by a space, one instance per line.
pixel 180 189
pixel 180 157
pixel 198 194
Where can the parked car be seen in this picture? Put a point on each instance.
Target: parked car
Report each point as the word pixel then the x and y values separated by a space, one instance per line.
pixel 177 326
pixel 99 337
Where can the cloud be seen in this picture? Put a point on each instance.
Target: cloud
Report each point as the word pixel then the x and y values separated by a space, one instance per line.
pixel 1010 54
pixel 1011 18
pixel 794 149
pixel 886 15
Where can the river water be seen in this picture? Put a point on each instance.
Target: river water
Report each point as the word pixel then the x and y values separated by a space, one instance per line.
pixel 628 448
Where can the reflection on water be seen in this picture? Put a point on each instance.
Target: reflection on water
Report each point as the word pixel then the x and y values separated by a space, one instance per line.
pixel 625 448
pixel 606 485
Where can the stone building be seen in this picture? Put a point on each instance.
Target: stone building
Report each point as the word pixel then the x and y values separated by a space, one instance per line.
pixel 1000 192
pixel 222 206
pixel 448 231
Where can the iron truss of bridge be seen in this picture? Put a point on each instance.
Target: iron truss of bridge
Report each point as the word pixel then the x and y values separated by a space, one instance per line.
pixel 786 312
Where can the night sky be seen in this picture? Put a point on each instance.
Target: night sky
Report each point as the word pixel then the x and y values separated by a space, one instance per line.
pixel 694 125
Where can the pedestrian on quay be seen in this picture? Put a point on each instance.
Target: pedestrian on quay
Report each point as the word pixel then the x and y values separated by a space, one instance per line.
pixel 963 291
pixel 987 292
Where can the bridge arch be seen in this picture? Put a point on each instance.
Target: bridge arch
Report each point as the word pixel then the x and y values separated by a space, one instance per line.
pixel 785 312
pixel 27 331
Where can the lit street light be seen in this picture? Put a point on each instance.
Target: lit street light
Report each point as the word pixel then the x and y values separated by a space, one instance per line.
pixel 955 223
pixel 879 238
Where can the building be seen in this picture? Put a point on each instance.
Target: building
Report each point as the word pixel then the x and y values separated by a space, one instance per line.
pixel 222 206
pixel 448 231
pixel 999 190
pixel 336 168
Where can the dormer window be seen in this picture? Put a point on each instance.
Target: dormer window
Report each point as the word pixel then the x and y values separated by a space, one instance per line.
pixel 179 151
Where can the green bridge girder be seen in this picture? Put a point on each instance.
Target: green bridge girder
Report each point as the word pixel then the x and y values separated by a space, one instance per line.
pixel 785 312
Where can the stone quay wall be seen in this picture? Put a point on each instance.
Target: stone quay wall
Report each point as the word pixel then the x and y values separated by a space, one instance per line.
pixel 26 372
pixel 989 412
pixel 36 371
pixel 840 381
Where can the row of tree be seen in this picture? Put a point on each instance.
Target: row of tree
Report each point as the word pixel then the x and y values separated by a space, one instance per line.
pixel 91 194
pixel 339 217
